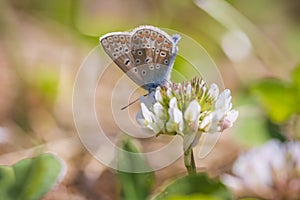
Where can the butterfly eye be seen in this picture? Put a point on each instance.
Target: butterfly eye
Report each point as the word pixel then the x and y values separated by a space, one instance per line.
pixel 137 61
pixel 157 51
pixel 133 51
pixel 121 48
pixel 139 52
pixel 116 37
pixel 166 62
pixel 135 70
pixel 126 50
pixel 114 55
pixel 116 50
pixel 143 46
pixel 110 39
pixel 157 66
pixel 153 48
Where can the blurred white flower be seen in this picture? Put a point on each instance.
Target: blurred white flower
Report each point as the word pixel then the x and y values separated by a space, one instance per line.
pixel 268 172
pixel 188 109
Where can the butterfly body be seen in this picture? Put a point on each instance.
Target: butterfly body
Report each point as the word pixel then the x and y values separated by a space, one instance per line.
pixel 146 54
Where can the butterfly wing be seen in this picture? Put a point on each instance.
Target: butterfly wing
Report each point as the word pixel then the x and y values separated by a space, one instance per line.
pixel 153 52
pixel 118 46
pixel 146 54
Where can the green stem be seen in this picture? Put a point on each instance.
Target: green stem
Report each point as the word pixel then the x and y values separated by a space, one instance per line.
pixel 189 161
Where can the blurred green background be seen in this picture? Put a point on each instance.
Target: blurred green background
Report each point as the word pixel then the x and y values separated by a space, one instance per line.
pixel 255 45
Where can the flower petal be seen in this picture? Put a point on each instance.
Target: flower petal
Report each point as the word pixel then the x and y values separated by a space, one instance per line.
pixel 188 89
pixel 158 96
pixel 169 92
pixel 158 109
pixel 140 119
pixel 146 113
pixel 177 116
pixel 173 103
pixel 206 122
pixel 213 91
pixel 224 100
pixel 223 105
pixel 175 122
pixel 192 112
pixel 157 126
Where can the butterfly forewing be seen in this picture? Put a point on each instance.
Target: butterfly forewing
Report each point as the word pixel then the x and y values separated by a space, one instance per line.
pixel 117 46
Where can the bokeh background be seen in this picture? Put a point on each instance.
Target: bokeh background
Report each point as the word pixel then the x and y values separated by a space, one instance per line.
pixel 43 43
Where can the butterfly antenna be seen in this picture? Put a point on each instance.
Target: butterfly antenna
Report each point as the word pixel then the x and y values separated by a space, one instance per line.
pixel 133 102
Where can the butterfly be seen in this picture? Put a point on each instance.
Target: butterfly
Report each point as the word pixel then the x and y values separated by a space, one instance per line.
pixel 146 54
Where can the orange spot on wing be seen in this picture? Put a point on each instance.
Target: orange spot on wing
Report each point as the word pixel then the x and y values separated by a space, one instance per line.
pixel 160 39
pixel 167 46
pixel 122 40
pixel 153 37
pixel 141 34
pixel 147 34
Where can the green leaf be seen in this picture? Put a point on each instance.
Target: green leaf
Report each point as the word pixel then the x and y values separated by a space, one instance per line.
pixel 42 173
pixel 135 186
pixel 30 178
pixel 7 179
pixel 278 98
pixel 197 184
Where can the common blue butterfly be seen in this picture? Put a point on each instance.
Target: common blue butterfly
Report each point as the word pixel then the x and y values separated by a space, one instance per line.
pixel 145 54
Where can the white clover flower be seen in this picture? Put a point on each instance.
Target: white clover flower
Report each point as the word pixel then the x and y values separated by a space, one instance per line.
pixel 188 109
pixel 268 172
